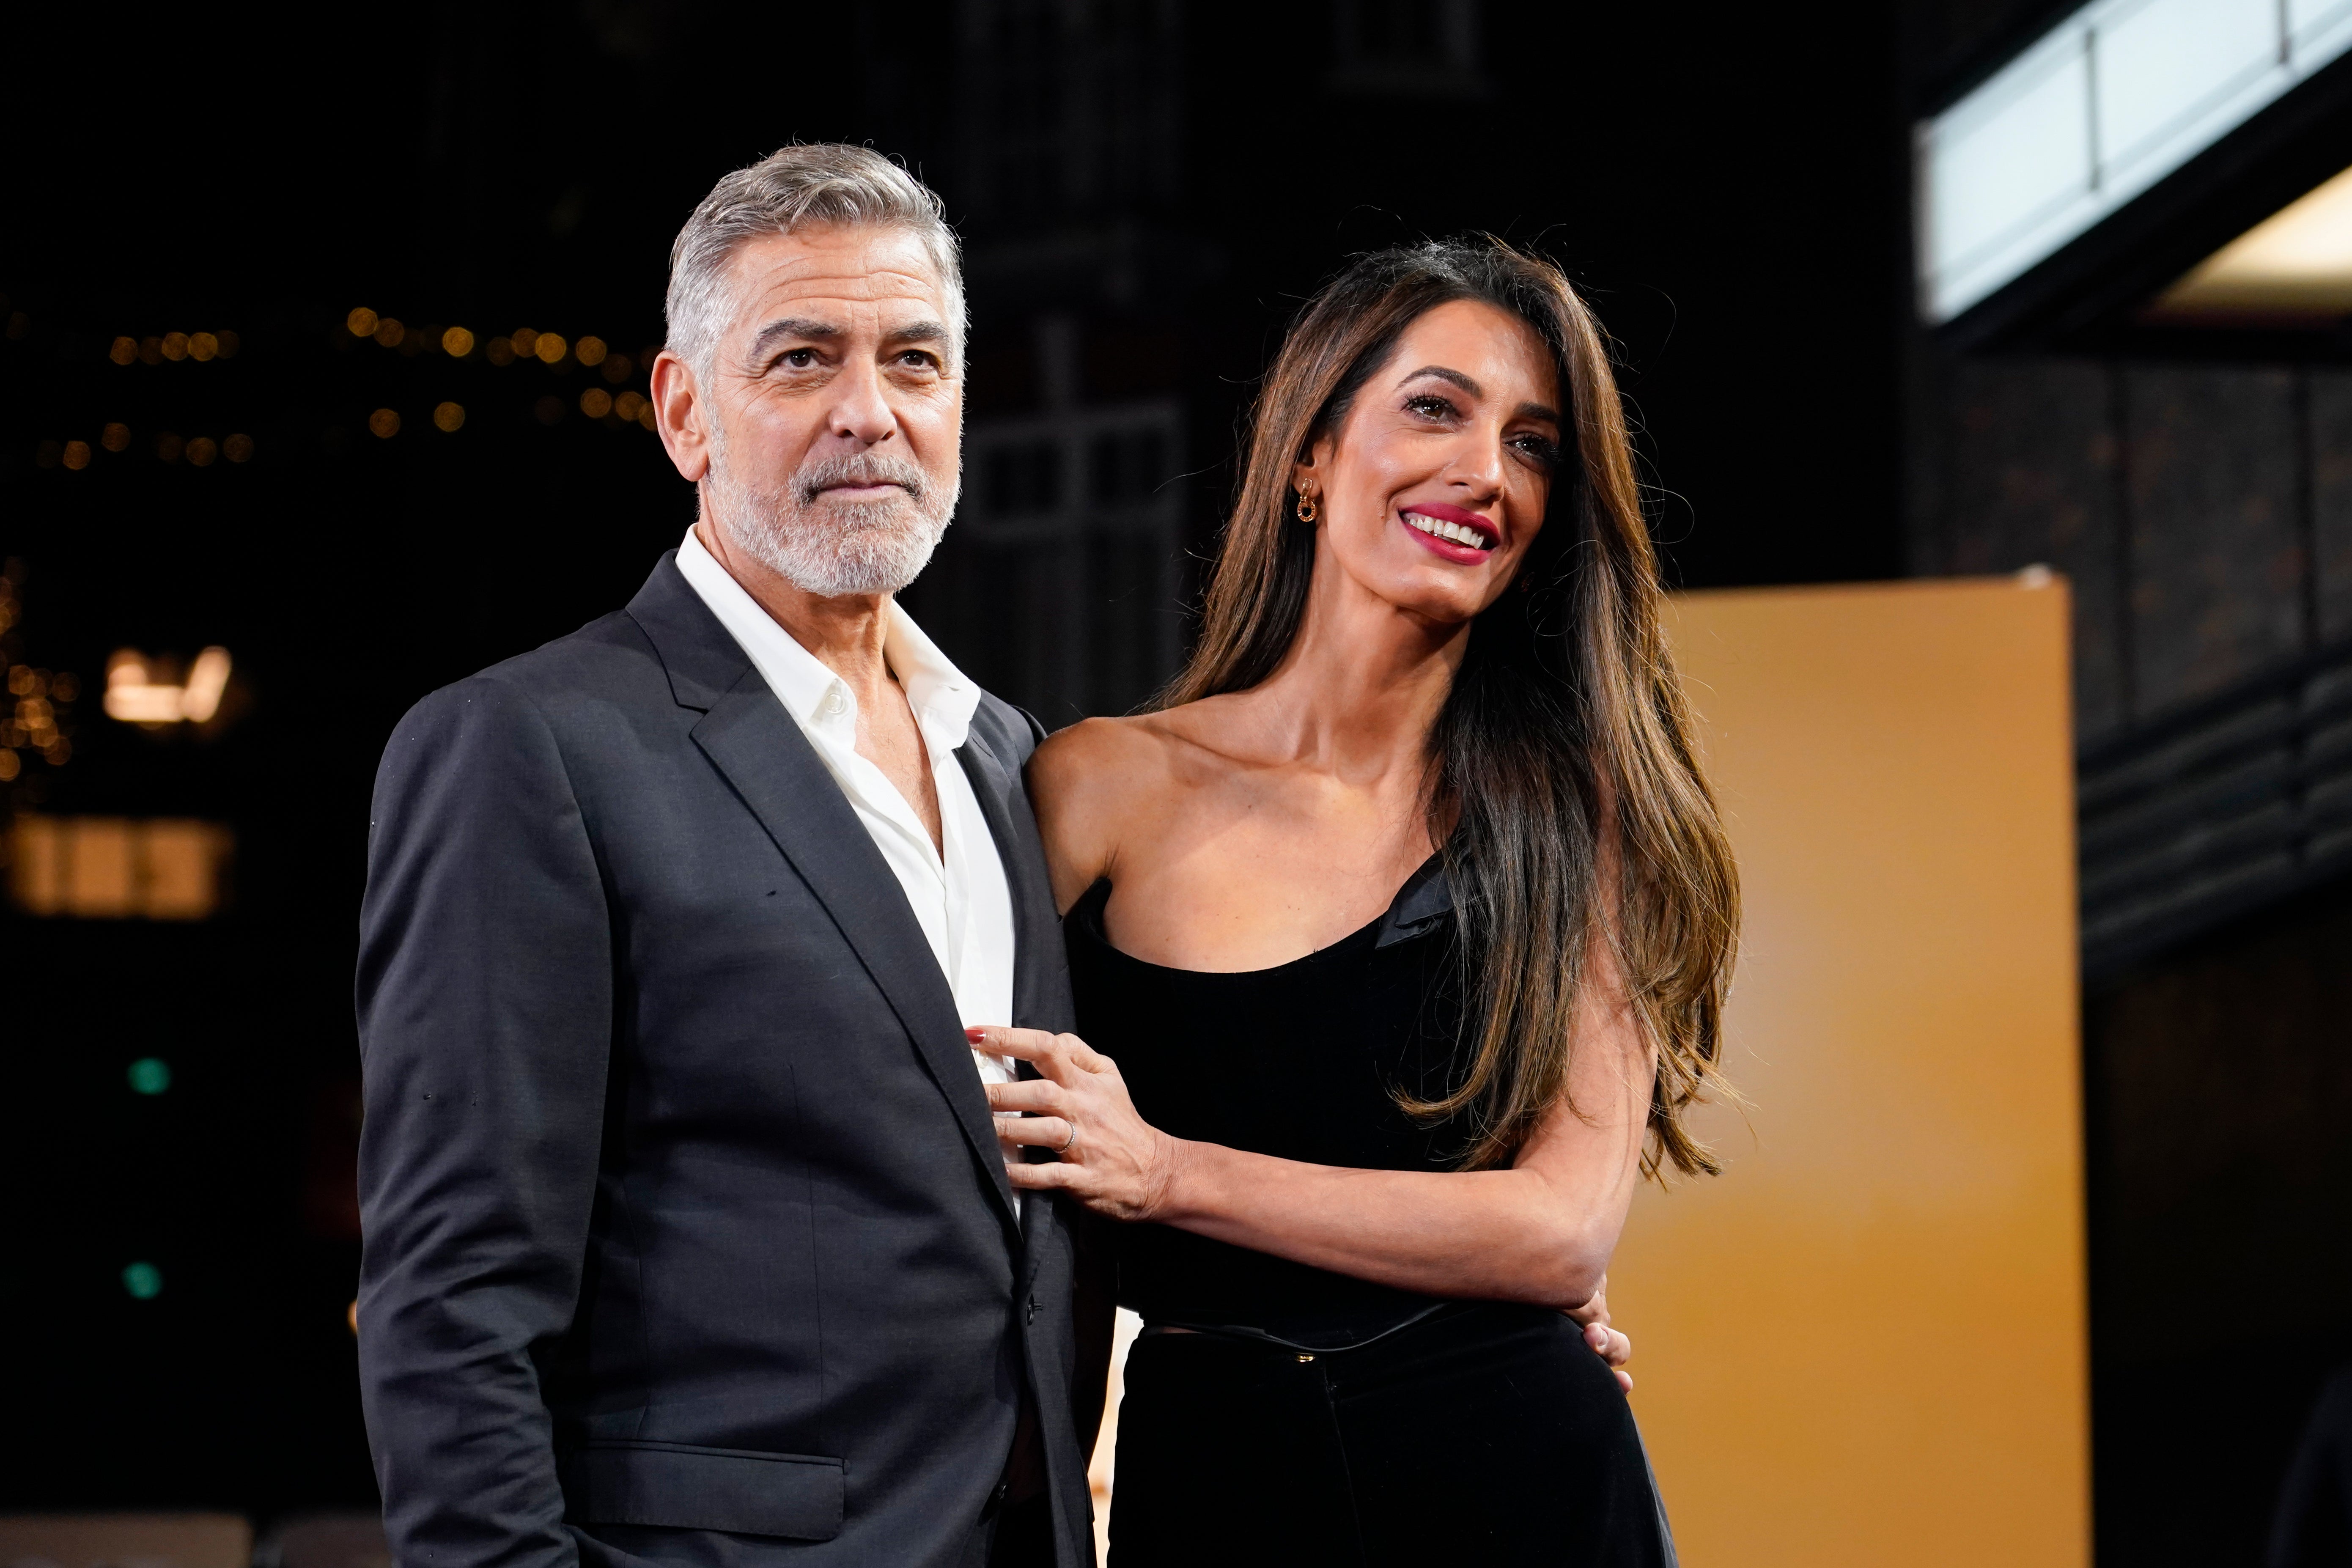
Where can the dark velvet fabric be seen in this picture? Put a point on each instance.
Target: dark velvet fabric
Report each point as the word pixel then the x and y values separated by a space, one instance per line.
pixel 1486 1434
pixel 686 1237
pixel 1325 1420
pixel 1303 1057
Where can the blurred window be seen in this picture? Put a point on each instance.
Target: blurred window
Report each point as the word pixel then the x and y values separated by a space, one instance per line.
pixel 1388 45
pixel 1073 110
pixel 116 867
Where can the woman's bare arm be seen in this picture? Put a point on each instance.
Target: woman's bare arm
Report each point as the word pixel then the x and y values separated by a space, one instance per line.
pixel 1541 1231
pixel 1075 780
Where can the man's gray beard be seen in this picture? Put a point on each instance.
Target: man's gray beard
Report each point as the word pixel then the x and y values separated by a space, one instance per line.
pixel 834 548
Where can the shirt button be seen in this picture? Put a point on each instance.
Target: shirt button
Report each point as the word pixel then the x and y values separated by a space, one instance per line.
pixel 834 703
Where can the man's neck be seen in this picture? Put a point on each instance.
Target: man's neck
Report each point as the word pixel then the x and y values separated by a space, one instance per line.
pixel 846 635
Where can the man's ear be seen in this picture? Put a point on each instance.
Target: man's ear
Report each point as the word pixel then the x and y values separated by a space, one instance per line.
pixel 680 416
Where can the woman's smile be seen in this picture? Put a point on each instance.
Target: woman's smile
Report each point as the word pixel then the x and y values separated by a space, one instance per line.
pixel 1450 533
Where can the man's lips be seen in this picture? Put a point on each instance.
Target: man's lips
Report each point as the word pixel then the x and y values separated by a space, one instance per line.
pixel 1456 534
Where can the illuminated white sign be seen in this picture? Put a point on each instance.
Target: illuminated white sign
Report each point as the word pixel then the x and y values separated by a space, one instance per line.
pixel 2099 108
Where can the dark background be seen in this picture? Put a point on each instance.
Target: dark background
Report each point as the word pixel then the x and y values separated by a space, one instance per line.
pixel 1163 183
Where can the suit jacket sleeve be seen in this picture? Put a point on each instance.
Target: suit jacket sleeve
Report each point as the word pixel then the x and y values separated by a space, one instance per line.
pixel 485 999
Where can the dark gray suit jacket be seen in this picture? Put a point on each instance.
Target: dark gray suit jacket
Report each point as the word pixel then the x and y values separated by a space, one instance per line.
pixel 687 1239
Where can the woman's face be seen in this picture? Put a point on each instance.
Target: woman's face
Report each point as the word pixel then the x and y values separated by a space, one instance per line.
pixel 1434 485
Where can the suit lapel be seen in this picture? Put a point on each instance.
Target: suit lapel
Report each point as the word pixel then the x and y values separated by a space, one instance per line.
pixel 1041 985
pixel 755 746
pixel 750 738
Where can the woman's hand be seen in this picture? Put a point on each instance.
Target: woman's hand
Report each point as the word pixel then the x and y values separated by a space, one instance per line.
pixel 1607 1343
pixel 1108 1158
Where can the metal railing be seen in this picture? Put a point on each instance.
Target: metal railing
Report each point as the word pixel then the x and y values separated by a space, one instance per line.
pixel 2216 810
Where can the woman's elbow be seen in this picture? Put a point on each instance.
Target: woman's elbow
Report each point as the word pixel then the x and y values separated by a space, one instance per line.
pixel 1565 1271
pixel 1577 1281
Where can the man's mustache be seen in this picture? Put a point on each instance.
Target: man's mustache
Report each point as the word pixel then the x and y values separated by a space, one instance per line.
pixel 859 469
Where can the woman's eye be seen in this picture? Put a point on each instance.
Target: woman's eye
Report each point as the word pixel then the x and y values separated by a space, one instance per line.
pixel 1429 406
pixel 1542 448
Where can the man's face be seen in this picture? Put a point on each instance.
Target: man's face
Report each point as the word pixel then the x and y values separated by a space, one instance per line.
pixel 828 438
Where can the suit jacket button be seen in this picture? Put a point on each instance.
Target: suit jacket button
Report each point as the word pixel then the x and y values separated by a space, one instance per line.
pixel 1033 1308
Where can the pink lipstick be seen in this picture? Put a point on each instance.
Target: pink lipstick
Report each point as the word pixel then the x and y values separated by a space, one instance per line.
pixel 1464 538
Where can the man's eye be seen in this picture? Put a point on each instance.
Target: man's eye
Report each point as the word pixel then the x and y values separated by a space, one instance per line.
pixel 916 359
pixel 799 359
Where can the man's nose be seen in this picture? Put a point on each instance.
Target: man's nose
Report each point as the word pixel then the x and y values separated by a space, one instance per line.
pixel 860 412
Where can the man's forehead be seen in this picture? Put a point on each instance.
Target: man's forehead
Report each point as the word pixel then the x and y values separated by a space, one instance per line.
pixel 846 266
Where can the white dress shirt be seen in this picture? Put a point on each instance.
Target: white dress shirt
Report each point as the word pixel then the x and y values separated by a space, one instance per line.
pixel 959 893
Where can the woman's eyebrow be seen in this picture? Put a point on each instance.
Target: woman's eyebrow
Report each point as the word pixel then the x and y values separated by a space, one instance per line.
pixel 1453 377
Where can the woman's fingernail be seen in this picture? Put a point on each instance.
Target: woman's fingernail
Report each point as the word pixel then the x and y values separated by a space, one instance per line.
pixel 975 1033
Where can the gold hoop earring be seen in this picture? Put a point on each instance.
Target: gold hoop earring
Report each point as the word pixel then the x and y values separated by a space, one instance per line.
pixel 1306 506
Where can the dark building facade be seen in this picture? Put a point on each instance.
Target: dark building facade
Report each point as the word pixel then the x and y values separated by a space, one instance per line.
pixel 1063 154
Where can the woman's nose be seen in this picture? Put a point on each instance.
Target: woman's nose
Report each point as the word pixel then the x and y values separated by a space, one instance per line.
pixel 1477 464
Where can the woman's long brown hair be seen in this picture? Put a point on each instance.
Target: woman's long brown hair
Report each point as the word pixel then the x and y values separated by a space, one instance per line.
pixel 1565 715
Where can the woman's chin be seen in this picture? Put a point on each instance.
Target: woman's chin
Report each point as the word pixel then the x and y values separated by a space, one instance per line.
pixel 1416 584
pixel 1441 590
pixel 1438 604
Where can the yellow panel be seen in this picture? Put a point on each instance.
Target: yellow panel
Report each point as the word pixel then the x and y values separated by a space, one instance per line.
pixel 1865 1343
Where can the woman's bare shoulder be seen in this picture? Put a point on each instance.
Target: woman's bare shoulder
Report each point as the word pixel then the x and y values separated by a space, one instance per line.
pixel 1117 761
pixel 1089 785
pixel 1099 763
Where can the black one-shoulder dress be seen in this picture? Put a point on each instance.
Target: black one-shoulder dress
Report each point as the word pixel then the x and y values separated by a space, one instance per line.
pixel 1312 1418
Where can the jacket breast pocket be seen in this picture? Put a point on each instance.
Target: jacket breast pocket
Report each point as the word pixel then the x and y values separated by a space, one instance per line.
pixel 739 1490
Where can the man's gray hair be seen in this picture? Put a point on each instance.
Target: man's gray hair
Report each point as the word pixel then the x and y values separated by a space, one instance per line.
pixel 792 188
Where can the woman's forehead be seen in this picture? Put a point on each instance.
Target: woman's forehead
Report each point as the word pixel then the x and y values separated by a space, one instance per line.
pixel 1492 348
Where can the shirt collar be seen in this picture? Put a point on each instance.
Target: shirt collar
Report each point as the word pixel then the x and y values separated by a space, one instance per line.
pixel 942 697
